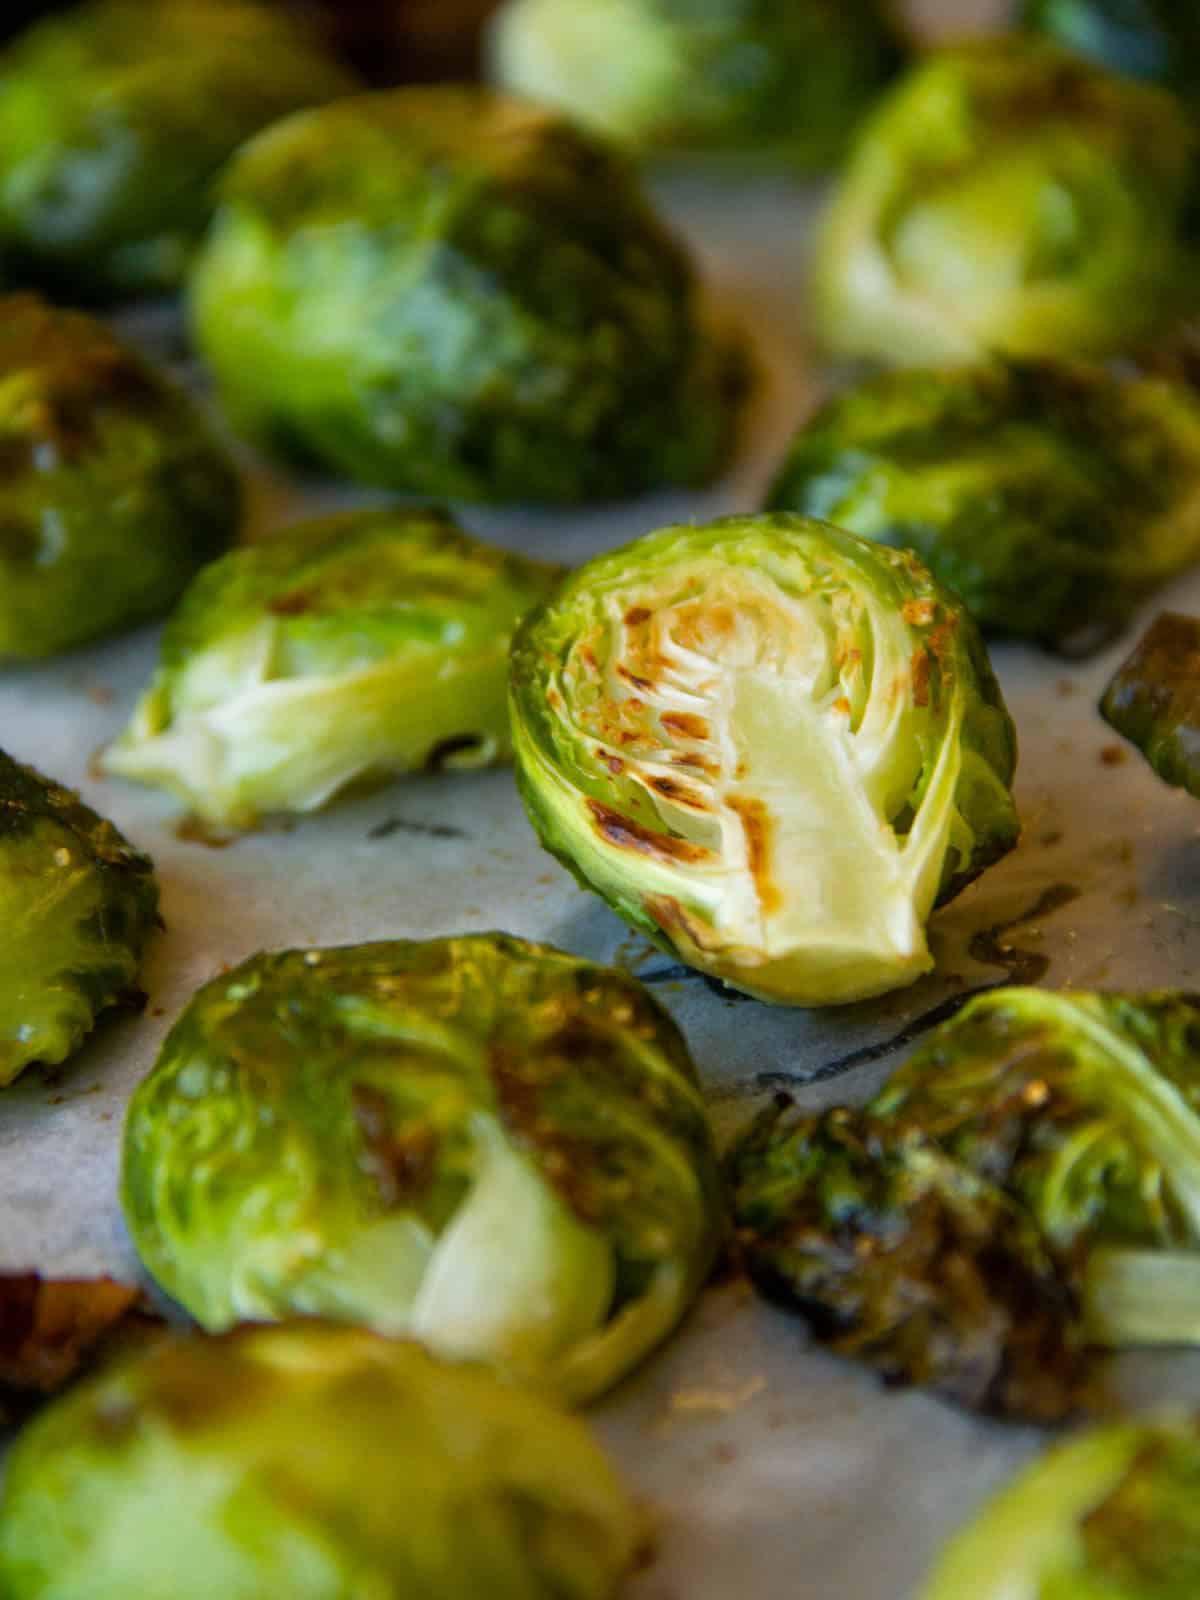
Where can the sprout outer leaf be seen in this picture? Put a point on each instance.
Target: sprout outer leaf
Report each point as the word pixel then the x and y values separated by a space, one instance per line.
pixel 1154 700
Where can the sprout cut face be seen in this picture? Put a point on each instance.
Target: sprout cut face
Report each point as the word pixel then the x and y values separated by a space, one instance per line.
pixel 1009 197
pixel 750 76
pixel 314 1462
pixel 1051 497
pixel 487 1144
pixel 77 904
pixel 344 649
pixel 772 746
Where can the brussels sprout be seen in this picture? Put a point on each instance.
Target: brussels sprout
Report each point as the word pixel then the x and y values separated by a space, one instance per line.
pixel 114 121
pixel 1028 1184
pixel 747 75
pixel 493 1146
pixel 1051 497
pixel 1155 39
pixel 1110 1515
pixel 313 1462
pixel 343 648
pixel 446 291
pixel 1154 700
pixel 113 491
pixel 1009 197
pixel 78 904
pixel 771 745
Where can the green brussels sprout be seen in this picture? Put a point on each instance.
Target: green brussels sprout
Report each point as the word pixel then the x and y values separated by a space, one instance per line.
pixel 771 745
pixel 1027 1186
pixel 114 491
pixel 1051 497
pixel 1154 39
pixel 78 905
pixel 346 647
pixel 489 1145
pixel 313 1462
pixel 746 75
pixel 1110 1515
pixel 1009 197
pixel 446 291
pixel 114 120
pixel 1154 700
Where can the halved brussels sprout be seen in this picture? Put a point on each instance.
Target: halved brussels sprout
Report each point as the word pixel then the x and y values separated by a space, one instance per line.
pixel 1154 700
pixel 772 746
pixel 752 75
pixel 77 904
pixel 114 491
pixel 1110 1515
pixel 114 120
pixel 1154 39
pixel 490 1145
pixel 1009 197
pixel 1026 1186
pixel 1051 497
pixel 312 1462
pixel 447 291
pixel 348 647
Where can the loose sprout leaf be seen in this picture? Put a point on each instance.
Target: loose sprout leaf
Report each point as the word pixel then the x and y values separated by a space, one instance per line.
pixel 1051 496
pixel 488 1144
pixel 771 745
pixel 1154 700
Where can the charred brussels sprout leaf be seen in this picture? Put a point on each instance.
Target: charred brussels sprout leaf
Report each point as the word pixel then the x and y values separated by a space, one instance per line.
pixel 1154 39
pixel 78 905
pixel 113 491
pixel 314 1462
pixel 115 119
pixel 1065 1129
pixel 446 291
pixel 493 1146
pixel 349 647
pixel 1154 700
pixel 1051 497
pixel 746 75
pixel 1009 197
pixel 771 745
pixel 1110 1515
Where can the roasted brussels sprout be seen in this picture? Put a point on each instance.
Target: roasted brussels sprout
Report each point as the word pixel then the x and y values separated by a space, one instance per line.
pixel 314 1462
pixel 113 492
pixel 1110 1515
pixel 771 745
pixel 114 120
pixel 493 1146
pixel 78 904
pixel 1009 197
pixel 446 291
pixel 1026 1186
pixel 750 75
pixel 344 648
pixel 1154 700
pixel 1051 497
pixel 1154 39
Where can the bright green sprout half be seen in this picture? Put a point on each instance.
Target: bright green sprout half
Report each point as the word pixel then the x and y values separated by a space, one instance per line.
pixel 115 119
pixel 1154 39
pixel 1009 197
pixel 1154 700
pixel 1051 497
pixel 1049 1141
pixel 1111 1515
pixel 77 906
pixel 772 746
pixel 314 1463
pixel 490 1145
pixel 113 490
pixel 447 291
pixel 345 648
pixel 751 76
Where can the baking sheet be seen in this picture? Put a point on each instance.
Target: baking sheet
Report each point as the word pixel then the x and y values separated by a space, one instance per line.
pixel 774 1470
